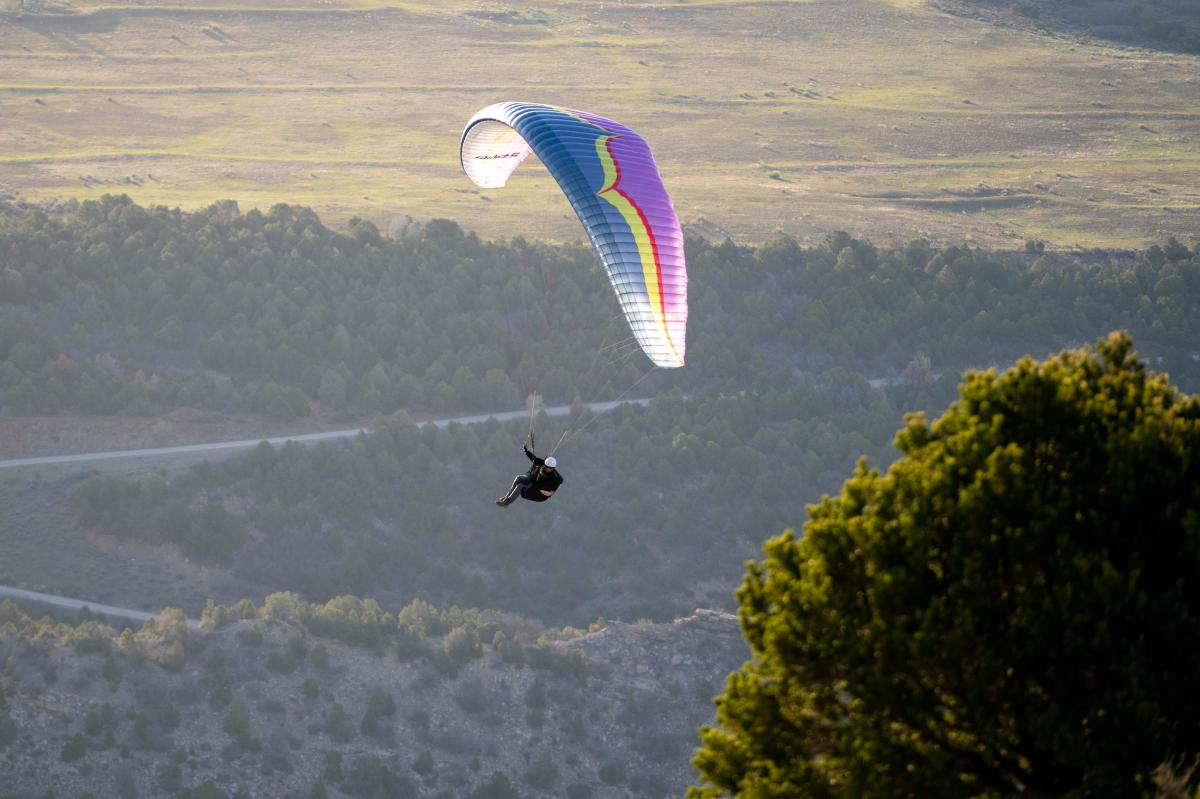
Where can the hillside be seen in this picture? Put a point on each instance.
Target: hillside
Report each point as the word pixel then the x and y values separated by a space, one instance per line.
pixel 233 317
pixel 887 118
pixel 270 707
pixel 661 507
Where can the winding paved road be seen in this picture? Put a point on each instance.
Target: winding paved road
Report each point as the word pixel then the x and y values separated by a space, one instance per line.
pixel 248 443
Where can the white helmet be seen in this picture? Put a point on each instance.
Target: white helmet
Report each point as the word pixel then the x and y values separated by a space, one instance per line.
pixel 551 462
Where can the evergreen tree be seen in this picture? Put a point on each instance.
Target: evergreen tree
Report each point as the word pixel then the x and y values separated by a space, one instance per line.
pixel 1013 608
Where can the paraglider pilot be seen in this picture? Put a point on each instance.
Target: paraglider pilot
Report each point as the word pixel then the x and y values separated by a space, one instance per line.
pixel 536 485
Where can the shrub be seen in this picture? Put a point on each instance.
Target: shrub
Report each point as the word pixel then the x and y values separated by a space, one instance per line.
pixel 90 637
pixel 125 783
pixel 98 719
pixel 205 790
pixel 251 636
pixel 8 729
pixel 410 644
pixel 471 696
pixel 276 761
pixel 453 741
pixel 462 645
pixel 74 749
pixel 542 772
pixel 498 786
pixel 281 662
pixel 239 724
pixel 423 763
pixel 371 778
pixel 338 725
pixel 376 722
pixel 535 697
pixel 112 672
pixel 560 663
pixel 333 765
pixel 173 657
pixel 612 772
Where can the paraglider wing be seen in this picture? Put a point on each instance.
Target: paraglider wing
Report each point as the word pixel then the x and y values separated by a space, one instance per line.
pixel 609 176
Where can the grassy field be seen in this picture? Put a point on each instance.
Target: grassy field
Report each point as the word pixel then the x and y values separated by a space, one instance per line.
pixel 887 119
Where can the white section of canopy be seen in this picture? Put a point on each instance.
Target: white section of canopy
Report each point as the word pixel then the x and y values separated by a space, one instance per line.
pixel 491 151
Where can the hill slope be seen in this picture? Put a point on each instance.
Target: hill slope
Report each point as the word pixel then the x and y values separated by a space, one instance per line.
pixel 269 709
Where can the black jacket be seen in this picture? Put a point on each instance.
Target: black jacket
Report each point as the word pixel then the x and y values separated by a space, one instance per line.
pixel 545 480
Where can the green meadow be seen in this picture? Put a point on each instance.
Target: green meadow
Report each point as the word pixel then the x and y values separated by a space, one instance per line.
pixel 886 119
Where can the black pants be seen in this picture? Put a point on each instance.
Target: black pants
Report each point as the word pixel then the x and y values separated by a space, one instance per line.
pixel 520 483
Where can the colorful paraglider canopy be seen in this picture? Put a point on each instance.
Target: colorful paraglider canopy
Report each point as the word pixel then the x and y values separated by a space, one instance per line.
pixel 609 176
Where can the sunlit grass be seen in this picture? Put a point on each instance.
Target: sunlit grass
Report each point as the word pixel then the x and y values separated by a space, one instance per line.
pixel 356 109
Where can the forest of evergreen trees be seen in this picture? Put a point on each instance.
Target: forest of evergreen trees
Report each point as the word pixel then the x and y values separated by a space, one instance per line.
pixel 109 307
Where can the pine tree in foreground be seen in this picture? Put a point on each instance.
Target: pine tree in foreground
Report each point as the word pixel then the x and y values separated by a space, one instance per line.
pixel 1013 608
